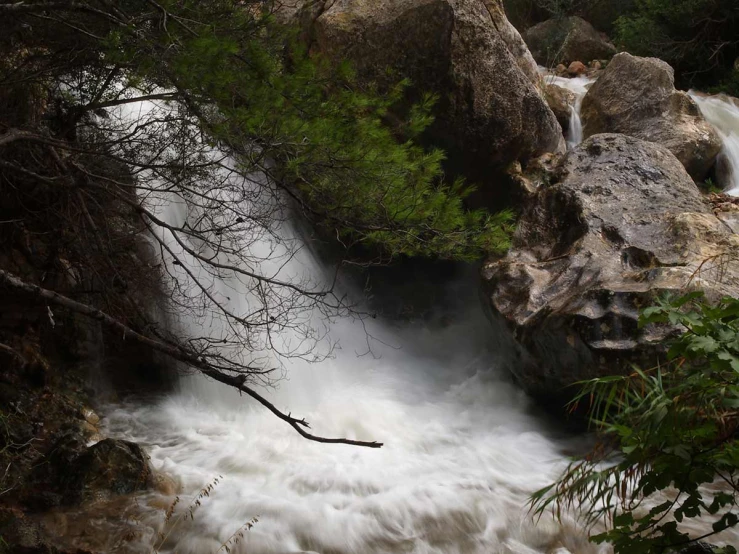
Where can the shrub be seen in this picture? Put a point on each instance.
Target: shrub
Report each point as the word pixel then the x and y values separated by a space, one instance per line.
pixel 666 434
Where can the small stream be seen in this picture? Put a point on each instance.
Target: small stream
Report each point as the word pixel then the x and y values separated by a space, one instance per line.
pixel 579 87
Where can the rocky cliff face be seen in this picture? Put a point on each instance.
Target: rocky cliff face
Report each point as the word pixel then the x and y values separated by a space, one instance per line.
pixel 491 110
pixel 616 222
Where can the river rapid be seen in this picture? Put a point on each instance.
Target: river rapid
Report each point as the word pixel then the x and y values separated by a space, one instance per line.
pixel 461 453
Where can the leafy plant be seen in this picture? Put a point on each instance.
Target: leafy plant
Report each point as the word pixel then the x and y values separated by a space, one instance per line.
pixel 728 85
pixel 697 37
pixel 312 128
pixel 668 449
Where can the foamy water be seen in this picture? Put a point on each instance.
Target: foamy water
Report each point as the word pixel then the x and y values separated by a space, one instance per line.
pixel 460 457
pixel 461 453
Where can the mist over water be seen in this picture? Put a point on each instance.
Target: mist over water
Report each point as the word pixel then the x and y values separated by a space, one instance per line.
pixel 461 454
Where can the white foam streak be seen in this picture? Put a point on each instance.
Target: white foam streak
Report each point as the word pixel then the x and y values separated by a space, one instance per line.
pixel 455 473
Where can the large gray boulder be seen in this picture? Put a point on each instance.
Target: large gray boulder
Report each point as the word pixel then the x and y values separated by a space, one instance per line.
pixel 616 223
pixel 491 110
pixel 637 97
pixel 565 40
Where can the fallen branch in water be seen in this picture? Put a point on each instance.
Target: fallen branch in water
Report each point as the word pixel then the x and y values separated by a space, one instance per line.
pixel 175 351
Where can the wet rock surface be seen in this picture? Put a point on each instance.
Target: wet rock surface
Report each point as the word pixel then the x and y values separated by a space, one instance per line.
pixel 615 223
pixel 109 467
pixel 637 97
pixel 55 464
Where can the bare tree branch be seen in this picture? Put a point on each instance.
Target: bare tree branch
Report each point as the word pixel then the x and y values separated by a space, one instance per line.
pixel 174 351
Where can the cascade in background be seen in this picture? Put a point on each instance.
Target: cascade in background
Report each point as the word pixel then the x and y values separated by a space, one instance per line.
pixel 722 112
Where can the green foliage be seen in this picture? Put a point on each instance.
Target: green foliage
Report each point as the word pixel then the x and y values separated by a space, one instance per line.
pixel 562 8
pixel 602 14
pixel 530 12
pixel 668 449
pixel 697 37
pixel 710 186
pixel 340 148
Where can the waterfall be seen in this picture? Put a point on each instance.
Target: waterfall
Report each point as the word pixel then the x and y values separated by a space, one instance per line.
pixel 722 112
pixel 462 449
pixel 579 87
pixel 461 453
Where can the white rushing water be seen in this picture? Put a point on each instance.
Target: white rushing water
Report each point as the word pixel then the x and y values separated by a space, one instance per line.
pixel 579 87
pixel 723 113
pixel 462 452
pixel 460 456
